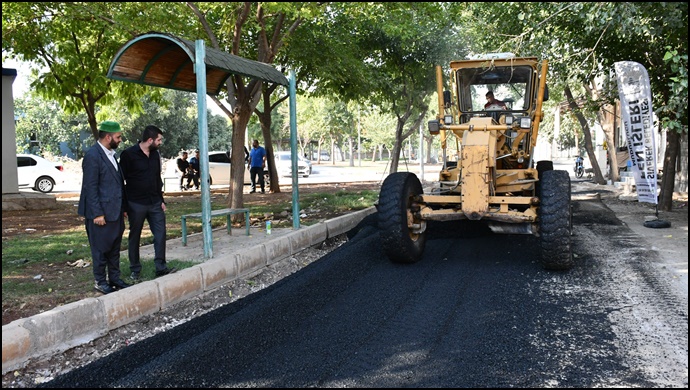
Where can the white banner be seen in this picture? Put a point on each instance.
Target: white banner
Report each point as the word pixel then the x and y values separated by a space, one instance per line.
pixel 636 109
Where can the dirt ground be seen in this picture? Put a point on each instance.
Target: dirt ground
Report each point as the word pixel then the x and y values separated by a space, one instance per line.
pixel 64 218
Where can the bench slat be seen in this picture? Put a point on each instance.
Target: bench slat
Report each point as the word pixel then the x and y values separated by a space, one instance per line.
pixel 215 213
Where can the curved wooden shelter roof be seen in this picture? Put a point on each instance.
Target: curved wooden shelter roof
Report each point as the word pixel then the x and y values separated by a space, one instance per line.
pixel 163 60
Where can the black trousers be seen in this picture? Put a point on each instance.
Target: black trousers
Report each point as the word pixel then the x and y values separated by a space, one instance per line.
pixel 105 244
pixel 185 175
pixel 252 174
pixel 154 214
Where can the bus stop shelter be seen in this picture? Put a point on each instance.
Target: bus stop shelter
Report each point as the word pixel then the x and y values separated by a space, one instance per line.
pixel 163 60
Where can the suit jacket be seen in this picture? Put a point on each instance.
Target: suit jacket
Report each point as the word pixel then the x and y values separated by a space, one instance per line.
pixel 102 187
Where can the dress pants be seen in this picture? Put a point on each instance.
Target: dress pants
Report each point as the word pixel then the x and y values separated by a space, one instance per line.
pixel 154 214
pixel 105 244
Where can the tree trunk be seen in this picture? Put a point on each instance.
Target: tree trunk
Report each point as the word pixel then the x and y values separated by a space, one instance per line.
pixel 668 179
pixel 270 157
pixel 332 152
pixel 237 165
pixel 400 137
pixel 351 147
pixel 397 145
pixel 598 177
pixel 607 118
pixel 429 142
pixel 607 124
pixel 265 122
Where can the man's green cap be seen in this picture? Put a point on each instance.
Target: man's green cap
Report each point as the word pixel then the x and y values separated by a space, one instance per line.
pixel 110 127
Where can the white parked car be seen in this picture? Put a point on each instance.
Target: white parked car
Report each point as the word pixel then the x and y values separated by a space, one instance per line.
pixel 38 173
pixel 219 169
pixel 284 165
pixel 324 156
pixel 306 161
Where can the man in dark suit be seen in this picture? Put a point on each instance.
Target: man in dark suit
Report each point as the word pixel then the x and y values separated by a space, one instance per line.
pixel 103 205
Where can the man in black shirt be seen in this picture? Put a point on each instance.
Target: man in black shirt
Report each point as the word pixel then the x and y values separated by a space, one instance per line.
pixel 183 167
pixel 141 167
pixel 194 170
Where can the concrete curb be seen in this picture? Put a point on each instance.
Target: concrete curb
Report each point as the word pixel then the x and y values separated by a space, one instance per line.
pixel 80 322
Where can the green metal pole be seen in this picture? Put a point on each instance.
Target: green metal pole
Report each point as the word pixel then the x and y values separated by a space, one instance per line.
pixel 200 70
pixel 293 147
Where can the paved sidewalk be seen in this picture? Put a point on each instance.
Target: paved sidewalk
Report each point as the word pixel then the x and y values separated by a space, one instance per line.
pixel 223 243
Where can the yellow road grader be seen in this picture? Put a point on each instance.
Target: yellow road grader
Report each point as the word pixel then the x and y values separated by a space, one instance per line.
pixel 489 175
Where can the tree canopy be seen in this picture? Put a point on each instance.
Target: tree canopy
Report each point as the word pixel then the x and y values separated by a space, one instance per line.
pixel 377 54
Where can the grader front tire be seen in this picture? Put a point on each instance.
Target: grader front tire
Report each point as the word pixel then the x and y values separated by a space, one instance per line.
pixel 554 221
pixel 400 242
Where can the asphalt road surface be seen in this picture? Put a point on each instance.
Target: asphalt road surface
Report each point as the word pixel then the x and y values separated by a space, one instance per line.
pixel 476 311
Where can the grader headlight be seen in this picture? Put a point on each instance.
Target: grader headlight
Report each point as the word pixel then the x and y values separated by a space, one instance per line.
pixel 434 127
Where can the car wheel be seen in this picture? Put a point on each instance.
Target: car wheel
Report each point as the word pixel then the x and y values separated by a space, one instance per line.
pixel 44 184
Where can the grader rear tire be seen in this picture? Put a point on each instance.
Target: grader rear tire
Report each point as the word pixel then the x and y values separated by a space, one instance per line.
pixel 554 221
pixel 542 166
pixel 399 242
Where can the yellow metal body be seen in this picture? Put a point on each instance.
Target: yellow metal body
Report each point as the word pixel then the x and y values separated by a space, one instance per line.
pixel 493 178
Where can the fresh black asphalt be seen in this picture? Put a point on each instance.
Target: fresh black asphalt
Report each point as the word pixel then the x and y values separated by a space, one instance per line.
pixel 476 311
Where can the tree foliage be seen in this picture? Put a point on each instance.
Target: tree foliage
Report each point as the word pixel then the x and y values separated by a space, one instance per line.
pixel 583 41
pixel 379 54
pixel 46 122
pixel 75 42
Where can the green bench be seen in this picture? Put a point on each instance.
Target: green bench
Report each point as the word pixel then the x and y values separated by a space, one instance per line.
pixel 215 213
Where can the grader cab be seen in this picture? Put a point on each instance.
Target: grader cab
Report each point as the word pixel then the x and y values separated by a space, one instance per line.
pixel 489 175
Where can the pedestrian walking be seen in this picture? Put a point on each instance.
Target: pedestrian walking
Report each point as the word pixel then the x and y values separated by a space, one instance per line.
pixel 141 166
pixel 183 168
pixel 194 170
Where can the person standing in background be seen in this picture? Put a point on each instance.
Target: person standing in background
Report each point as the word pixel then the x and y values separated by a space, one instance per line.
pixel 141 167
pixel 256 164
pixel 103 205
pixel 194 170
pixel 183 167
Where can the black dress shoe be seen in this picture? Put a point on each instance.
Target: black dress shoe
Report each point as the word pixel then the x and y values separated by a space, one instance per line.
pixel 166 271
pixel 104 288
pixel 119 284
pixel 252 191
pixel 134 276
